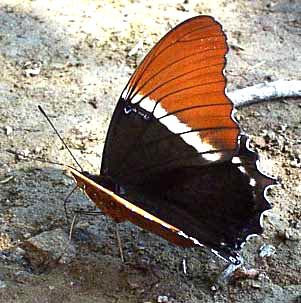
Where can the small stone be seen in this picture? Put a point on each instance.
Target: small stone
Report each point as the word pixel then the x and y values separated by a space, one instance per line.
pixel 149 41
pixel 19 251
pixel 25 152
pixel 259 141
pixel 263 277
pixel 256 285
pixel 37 150
pixel 291 234
pixel 270 136
pixel 50 247
pixel 136 48
pixel 27 235
pixel 283 128
pixel 8 130
pixel 162 299
pixel 275 220
pixel 2 284
pixel 32 68
pixel 23 277
pixel 214 288
pixel 266 250
pixel 295 163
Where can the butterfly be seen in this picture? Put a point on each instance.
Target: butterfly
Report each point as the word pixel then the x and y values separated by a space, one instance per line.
pixel 175 162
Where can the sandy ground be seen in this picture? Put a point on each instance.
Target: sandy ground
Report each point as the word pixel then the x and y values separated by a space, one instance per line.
pixel 82 48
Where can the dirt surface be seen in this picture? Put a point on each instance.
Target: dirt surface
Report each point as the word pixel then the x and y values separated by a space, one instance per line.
pixel 83 50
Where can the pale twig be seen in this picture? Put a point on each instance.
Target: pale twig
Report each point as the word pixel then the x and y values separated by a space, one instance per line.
pixel 265 92
pixel 6 179
pixel 119 242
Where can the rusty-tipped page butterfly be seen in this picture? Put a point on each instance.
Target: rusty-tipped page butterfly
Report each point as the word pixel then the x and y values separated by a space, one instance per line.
pixel 174 161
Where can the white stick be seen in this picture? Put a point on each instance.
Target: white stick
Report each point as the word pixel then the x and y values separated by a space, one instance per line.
pixel 265 92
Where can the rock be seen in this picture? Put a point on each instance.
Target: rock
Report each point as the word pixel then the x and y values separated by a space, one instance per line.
pixel 270 136
pixel 23 277
pixel 292 234
pixel 276 221
pixel 8 130
pixel 259 141
pixel 295 163
pixel 276 294
pixel 163 299
pixel 266 250
pixel 48 248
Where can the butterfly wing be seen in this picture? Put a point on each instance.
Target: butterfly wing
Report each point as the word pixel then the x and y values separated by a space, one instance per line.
pixel 173 112
pixel 173 149
pixel 218 206
pixel 121 210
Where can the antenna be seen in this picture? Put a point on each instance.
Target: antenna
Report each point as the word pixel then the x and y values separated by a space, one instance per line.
pixel 49 121
pixel 21 155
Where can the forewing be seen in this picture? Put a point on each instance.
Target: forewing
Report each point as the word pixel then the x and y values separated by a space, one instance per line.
pixel 174 111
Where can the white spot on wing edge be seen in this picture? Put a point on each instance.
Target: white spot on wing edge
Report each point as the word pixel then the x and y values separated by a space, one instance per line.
pixel 236 160
pixel 252 182
pixel 124 93
pixel 242 169
pixel 194 240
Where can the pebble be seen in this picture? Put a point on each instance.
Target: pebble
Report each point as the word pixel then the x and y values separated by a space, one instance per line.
pixel 8 130
pixel 23 277
pixel 163 299
pixel 25 152
pixel 295 163
pixel 266 250
pixel 32 68
pixel 292 234
pixel 275 220
pixel 256 285
pixel 37 149
pixel 270 136
pixel 48 248
pixel 136 48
